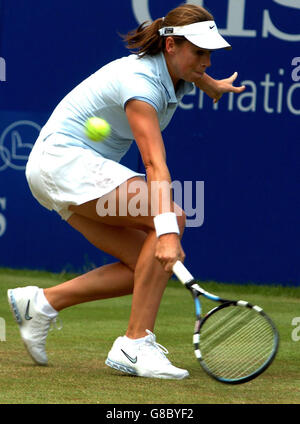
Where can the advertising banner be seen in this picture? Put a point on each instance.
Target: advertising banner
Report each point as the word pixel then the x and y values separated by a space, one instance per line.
pixel 234 164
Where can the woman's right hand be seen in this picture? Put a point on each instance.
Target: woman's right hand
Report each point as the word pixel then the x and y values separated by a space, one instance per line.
pixel 168 251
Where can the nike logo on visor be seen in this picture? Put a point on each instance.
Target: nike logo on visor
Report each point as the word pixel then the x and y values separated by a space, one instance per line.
pixel 133 360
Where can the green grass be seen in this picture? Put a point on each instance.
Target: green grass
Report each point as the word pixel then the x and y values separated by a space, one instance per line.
pixel 77 374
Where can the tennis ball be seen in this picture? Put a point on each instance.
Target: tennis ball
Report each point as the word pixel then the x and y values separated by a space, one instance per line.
pixel 97 129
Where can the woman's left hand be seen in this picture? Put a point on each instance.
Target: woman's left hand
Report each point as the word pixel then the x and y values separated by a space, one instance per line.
pixel 226 86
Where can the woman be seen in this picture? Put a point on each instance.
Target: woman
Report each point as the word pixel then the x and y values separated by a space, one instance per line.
pixel 76 177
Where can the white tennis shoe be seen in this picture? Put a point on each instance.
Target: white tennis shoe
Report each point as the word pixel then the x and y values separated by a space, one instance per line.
pixel 33 324
pixel 145 359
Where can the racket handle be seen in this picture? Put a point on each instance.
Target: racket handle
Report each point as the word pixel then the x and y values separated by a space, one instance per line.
pixel 182 273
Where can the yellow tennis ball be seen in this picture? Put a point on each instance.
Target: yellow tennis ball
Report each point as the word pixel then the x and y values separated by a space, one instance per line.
pixel 97 129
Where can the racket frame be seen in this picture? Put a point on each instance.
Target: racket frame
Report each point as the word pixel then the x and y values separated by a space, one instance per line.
pixel 189 282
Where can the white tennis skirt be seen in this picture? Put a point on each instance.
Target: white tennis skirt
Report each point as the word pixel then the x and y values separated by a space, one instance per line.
pixel 59 175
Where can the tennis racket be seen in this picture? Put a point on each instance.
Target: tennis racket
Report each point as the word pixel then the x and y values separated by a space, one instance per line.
pixel 235 341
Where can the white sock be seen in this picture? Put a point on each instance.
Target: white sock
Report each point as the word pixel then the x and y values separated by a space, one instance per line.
pixel 44 306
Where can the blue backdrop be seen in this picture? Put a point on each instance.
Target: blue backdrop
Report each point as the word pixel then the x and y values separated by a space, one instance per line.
pixel 245 150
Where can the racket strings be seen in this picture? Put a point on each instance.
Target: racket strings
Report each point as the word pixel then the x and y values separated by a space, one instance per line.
pixel 216 330
pixel 236 368
pixel 239 365
pixel 234 320
pixel 242 339
pixel 226 323
pixel 235 357
pixel 236 341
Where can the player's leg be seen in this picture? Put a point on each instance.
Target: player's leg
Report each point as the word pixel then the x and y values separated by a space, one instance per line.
pixel 146 267
pixel 107 281
pixel 150 278
pixel 34 312
pixel 137 352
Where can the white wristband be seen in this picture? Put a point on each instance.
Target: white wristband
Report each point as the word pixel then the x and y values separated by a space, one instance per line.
pixel 166 223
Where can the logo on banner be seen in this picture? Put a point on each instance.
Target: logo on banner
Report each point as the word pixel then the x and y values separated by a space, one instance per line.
pixel 2 217
pixel 141 9
pixel 2 69
pixel 236 12
pixel 16 142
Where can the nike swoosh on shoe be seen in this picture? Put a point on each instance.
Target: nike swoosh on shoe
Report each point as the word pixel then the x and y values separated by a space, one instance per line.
pixel 27 316
pixel 133 360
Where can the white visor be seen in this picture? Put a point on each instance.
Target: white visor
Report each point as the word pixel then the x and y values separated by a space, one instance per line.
pixel 203 34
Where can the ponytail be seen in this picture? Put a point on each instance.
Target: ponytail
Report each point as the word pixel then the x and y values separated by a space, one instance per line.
pixel 146 38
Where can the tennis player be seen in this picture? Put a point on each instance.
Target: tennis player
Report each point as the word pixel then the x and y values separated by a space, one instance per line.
pixel 76 177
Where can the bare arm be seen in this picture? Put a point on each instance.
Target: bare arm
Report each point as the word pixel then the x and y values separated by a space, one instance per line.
pixel 145 127
pixel 143 121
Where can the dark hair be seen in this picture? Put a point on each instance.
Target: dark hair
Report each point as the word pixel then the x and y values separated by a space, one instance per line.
pixel 146 38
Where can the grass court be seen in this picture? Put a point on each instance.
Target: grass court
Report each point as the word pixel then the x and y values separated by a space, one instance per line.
pixel 77 374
